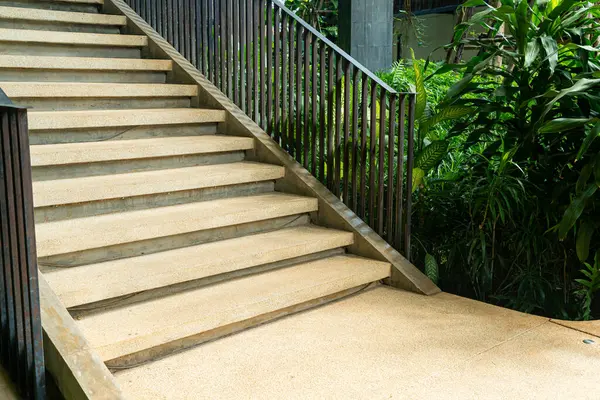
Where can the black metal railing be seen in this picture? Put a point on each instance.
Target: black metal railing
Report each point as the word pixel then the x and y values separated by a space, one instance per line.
pixel 21 349
pixel 347 127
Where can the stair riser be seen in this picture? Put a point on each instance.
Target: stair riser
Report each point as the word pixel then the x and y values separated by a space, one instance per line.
pixel 54 26
pixel 51 5
pixel 57 213
pixel 126 166
pixel 121 133
pixel 81 311
pixel 35 49
pixel 58 104
pixel 166 349
pixel 171 242
pixel 37 75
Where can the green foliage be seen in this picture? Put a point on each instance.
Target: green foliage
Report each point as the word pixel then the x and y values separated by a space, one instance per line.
pixel 431 268
pixel 322 14
pixel 510 211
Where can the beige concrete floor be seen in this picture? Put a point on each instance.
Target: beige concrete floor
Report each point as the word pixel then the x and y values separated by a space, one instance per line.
pixel 7 391
pixel 380 344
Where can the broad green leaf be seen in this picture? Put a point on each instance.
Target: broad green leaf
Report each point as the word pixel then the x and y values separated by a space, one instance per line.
pixel 587 142
pixel 474 3
pixel 584 236
pixel 431 268
pixel 459 86
pixel 446 113
pixel 431 155
pixel 420 88
pixel 417 178
pixel 533 49
pixel 522 25
pixel 564 124
pixel 584 177
pixel 551 48
pixel 574 211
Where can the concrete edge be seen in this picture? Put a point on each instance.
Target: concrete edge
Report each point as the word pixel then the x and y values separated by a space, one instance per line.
pixel 78 371
pixel 588 327
pixel 332 212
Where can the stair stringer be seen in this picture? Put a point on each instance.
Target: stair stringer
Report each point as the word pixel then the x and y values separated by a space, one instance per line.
pixel 332 213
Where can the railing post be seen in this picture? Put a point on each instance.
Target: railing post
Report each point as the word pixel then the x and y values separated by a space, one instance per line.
pixel 21 348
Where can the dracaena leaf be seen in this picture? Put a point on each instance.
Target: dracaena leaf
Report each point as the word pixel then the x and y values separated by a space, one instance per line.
pixel 564 124
pixel 590 136
pixel 584 236
pixel 574 211
pixel 420 88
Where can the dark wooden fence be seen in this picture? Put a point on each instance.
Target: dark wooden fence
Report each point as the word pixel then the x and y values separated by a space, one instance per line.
pixel 21 349
pixel 347 127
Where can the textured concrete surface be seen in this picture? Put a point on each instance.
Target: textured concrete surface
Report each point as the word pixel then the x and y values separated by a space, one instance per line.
pixel 591 327
pixel 80 63
pixel 71 38
pixel 95 282
pixel 96 188
pixel 381 344
pixel 30 14
pixel 96 90
pixel 92 152
pixel 78 234
pixel 149 325
pixel 55 120
pixel 7 388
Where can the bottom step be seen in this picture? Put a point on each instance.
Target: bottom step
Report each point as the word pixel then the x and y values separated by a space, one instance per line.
pixel 131 335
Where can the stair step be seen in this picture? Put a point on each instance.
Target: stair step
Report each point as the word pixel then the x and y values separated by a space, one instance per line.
pixel 92 152
pixel 83 63
pixel 95 188
pixel 96 282
pixel 61 237
pixel 65 17
pixel 157 327
pixel 54 120
pixel 95 90
pixel 71 38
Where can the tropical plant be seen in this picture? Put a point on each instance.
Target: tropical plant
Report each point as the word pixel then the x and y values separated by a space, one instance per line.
pixel 510 210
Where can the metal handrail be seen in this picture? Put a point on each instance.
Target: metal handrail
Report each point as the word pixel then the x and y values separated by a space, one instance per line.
pixel 341 52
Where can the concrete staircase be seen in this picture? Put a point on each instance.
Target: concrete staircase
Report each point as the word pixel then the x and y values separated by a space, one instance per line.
pixel 152 229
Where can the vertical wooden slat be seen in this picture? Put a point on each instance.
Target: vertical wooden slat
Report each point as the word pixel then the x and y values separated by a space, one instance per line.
pixel 322 109
pixel 355 146
pixel 381 162
pixel 346 144
pixel 277 85
pixel 269 74
pixel 299 65
pixel 372 150
pixel 193 32
pixel 205 38
pixel 338 127
pixel 211 41
pixel 409 173
pixel 223 39
pixel 236 52
pixel 256 59
pixel 314 87
pixel 400 175
pixel 390 179
pixel 219 64
pixel 263 60
pixel 249 57
pixel 363 147
pixel 306 97
pixel 230 47
pixel 291 105
pixel 330 127
pixel 285 23
pixel 243 55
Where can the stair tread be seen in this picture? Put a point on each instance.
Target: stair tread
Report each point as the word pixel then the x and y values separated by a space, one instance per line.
pixel 83 63
pixel 96 90
pixel 113 150
pixel 103 187
pixel 60 237
pixel 41 15
pixel 119 332
pixel 52 120
pixel 99 2
pixel 72 38
pixel 95 282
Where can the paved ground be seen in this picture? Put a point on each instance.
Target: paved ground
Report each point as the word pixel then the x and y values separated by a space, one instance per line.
pixel 380 344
